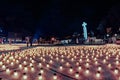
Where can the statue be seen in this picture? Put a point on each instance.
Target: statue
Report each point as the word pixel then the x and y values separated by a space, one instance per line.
pixel 84 24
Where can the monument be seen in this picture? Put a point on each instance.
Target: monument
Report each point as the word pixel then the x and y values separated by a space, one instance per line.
pixel 84 24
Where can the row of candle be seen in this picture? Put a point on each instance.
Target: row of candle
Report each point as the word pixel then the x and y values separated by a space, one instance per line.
pixel 78 62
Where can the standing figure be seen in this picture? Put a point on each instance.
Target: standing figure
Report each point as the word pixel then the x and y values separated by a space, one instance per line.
pixel 31 39
pixel 84 24
pixel 27 41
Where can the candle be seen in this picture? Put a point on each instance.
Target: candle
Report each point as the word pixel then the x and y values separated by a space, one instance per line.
pixel 33 69
pixel 40 77
pixel 7 71
pixel 116 71
pixel 12 64
pixel 77 75
pixel 1 63
pixel 20 66
pixel 3 67
pixel 25 69
pixel 70 70
pixel 99 68
pixel 54 77
pixel 87 72
pixel 41 71
pixel 98 75
pixel 25 77
pixel 15 75
pixel 79 68
pixel 48 65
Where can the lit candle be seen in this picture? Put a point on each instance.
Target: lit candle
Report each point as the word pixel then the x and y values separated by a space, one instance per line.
pixel 109 66
pixel 20 66
pixel 117 62
pixel 25 77
pixel 8 61
pixel 1 63
pixel 7 71
pixel 40 77
pixel 3 67
pixel 67 64
pixel 15 75
pixel 61 68
pixel 12 64
pixel 48 65
pixel 98 75
pixel 77 75
pixel 41 71
pixel 87 72
pixel 33 69
pixel 99 68
pixel 51 61
pixel 79 68
pixel 31 64
pixel 87 65
pixel 25 69
pixel 70 70
pixel 116 71
pixel 54 77
pixel 17 61
pixel 24 62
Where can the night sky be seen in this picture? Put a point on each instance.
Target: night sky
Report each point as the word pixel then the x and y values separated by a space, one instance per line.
pixel 53 17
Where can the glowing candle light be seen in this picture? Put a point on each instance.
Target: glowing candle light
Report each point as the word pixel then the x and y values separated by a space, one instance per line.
pixel 77 75
pixel 96 62
pixel 79 68
pixel 87 72
pixel 40 77
pixel 67 64
pixel 3 67
pixel 87 65
pixel 25 69
pixel 25 77
pixel 98 75
pixel 57 58
pixel 32 61
pixel 117 62
pixel 17 61
pixel 54 77
pixel 24 62
pixel 12 63
pixel 116 71
pixel 99 68
pixel 77 63
pixel 15 75
pixel 80 60
pixel 70 70
pixel 104 61
pixel 40 64
pixel 7 71
pixel 31 64
pixel 62 60
pixel 20 66
pixel 109 66
pixel 1 63
pixel 61 68
pixel 41 71
pixel 8 61
pixel 51 61
pixel 33 69
pixel 48 65
pixel 44 60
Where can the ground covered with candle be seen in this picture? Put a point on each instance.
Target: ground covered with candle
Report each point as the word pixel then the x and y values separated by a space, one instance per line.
pixel 62 63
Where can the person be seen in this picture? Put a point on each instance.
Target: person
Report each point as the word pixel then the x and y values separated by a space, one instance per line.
pixel 27 41
pixel 30 40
